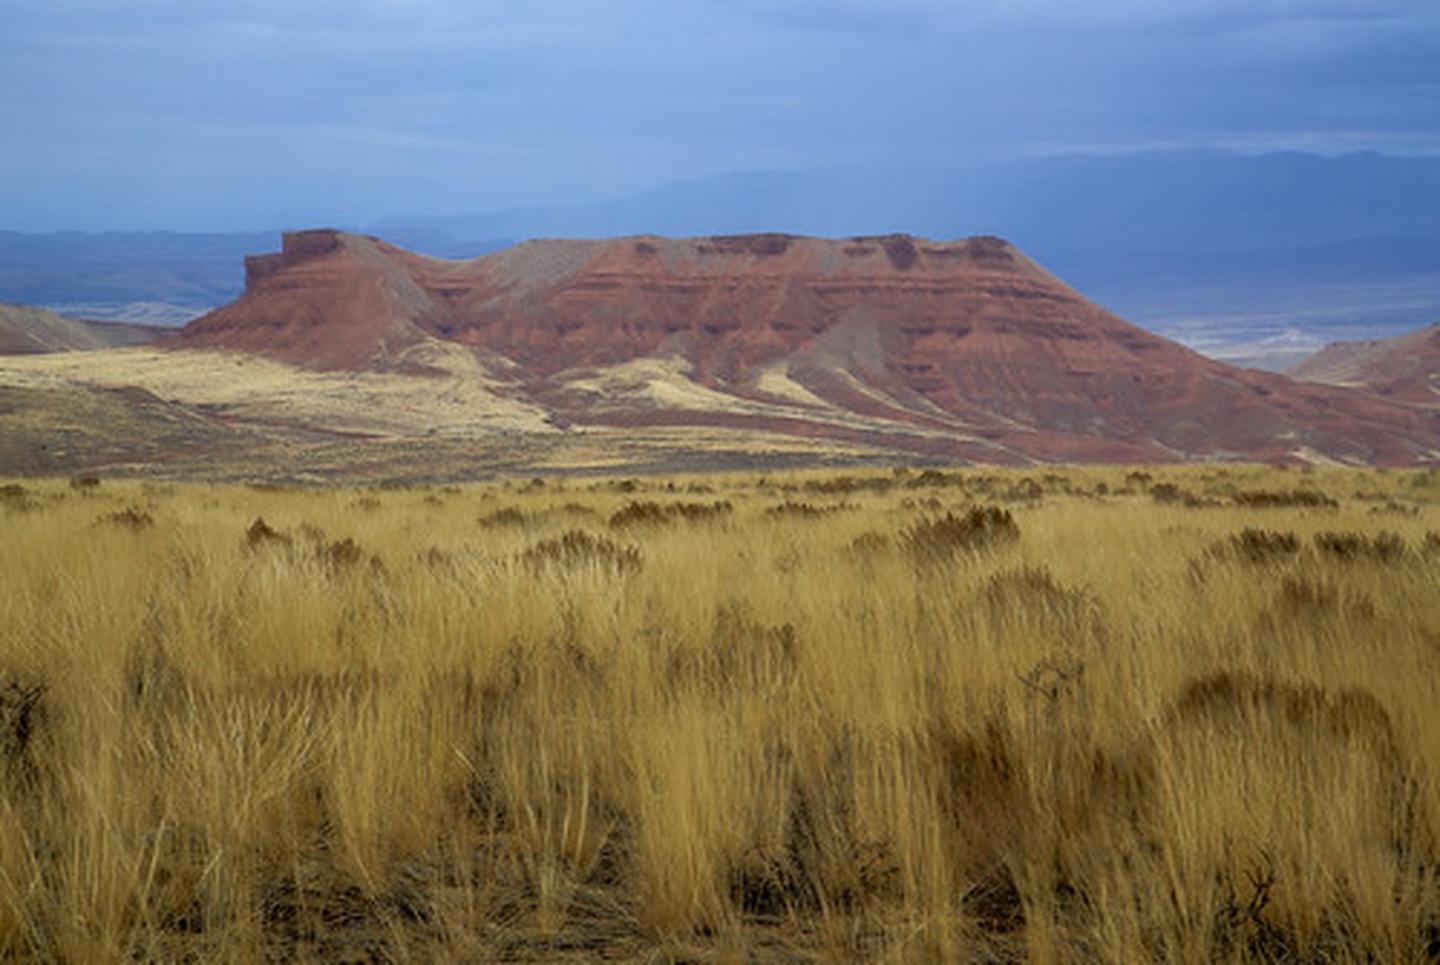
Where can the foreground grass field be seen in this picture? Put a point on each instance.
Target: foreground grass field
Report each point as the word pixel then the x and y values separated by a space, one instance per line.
pixel 1100 715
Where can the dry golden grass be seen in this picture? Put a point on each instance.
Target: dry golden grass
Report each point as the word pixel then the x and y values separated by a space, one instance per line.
pixel 1099 723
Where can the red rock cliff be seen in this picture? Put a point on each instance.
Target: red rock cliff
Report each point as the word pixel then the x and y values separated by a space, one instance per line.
pixel 969 338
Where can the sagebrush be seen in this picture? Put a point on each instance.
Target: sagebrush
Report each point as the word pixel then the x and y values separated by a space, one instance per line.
pixel 1095 715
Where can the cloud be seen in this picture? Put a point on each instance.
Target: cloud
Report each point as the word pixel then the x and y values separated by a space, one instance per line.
pixel 517 102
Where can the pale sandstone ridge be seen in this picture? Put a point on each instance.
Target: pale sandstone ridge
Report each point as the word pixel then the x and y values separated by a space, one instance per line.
pixel 957 349
pixel 1405 368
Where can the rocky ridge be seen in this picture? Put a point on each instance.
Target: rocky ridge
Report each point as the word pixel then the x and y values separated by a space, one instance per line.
pixel 953 349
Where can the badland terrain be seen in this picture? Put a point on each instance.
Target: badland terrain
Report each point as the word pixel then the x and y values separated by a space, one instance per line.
pixel 347 356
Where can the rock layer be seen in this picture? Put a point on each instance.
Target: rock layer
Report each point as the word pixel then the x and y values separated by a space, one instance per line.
pixel 961 349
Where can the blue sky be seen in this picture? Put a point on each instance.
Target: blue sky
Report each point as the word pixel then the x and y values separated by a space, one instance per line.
pixel 190 114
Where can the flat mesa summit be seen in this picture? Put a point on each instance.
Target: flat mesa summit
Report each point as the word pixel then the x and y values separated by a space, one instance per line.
pixel 957 349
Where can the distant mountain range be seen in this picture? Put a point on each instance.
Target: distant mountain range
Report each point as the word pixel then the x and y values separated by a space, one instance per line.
pixel 1200 202
pixel 166 277
pixel 1225 252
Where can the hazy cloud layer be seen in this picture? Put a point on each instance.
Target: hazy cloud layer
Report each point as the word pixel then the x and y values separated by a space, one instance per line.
pixel 186 114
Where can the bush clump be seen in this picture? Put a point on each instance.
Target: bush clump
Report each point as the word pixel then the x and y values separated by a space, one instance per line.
pixel 1279 499
pixel 1168 494
pixel 1261 547
pixel 1028 586
pixel 1392 508
pixel 262 533
pixel 844 485
pixel 1032 594
pixel 1025 490
pixel 19 716
pixel 868 545
pixel 934 477
pixel 1302 599
pixel 16 497
pixel 129 518
pixel 940 539
pixel 643 513
pixel 341 554
pixel 509 516
pixel 800 510
pixel 1350 547
pixel 1229 698
pixel 1431 546
pixel 578 549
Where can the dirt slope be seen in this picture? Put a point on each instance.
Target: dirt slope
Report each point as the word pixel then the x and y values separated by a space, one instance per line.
pixel 25 331
pixel 1405 368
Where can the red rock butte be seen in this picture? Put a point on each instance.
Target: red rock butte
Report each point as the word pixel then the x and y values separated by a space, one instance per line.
pixel 959 349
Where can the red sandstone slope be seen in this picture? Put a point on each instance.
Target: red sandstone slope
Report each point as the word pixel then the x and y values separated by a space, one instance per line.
pixel 328 300
pixel 959 349
pixel 1405 368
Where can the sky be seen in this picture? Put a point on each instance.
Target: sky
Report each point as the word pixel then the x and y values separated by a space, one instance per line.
pixel 253 114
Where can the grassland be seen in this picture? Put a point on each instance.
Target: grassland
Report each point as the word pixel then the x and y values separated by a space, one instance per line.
pixel 1100 715
pixel 234 418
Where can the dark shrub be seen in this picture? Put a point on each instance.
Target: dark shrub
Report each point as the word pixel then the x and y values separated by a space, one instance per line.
pixel 641 513
pixel 1025 586
pixel 849 484
pixel 579 549
pixel 341 554
pixel 261 534
pixel 1169 493
pixel 1138 480
pixel 869 544
pixel 1295 498
pixel 638 513
pixel 129 518
pixel 1166 493
pixel 933 478
pixel 509 516
pixel 19 716
pixel 1431 546
pixel 1230 697
pixel 16 497
pixel 1312 599
pixel 802 510
pixel 942 538
pixel 1357 547
pixel 1024 490
pixel 1391 508
pixel 437 559
pixel 1259 546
